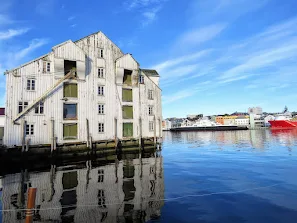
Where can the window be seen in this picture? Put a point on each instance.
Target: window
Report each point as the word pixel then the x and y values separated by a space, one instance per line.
pixel 70 131
pixel 22 106
pixel 101 90
pixel 70 111
pixel 100 176
pixel 127 129
pixel 46 67
pixel 100 53
pixel 128 112
pixel 151 126
pixel 39 108
pixel 100 72
pixel 29 130
pixel 101 127
pixel 127 79
pixel 30 84
pixel 141 79
pixel 70 90
pixel 150 94
pixel 100 109
pixel 150 110
pixel 127 95
pixel 101 199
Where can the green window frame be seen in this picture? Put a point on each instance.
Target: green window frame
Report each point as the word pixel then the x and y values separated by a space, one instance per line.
pixel 70 90
pixel 70 131
pixel 127 129
pixel 127 95
pixel 127 112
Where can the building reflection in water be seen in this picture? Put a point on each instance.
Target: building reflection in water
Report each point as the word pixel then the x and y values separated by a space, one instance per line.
pixel 129 190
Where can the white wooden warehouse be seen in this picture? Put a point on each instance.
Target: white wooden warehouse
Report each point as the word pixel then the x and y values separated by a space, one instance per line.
pixel 109 97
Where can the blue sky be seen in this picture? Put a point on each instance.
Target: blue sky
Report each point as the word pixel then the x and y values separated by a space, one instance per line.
pixel 214 56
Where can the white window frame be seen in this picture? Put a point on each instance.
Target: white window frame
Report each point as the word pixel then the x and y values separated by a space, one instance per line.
pixel 150 95
pixel 31 84
pixel 100 90
pixel 101 53
pixel 151 126
pixel 39 108
pixel 29 131
pixel 22 106
pixel 151 110
pixel 101 73
pixel 141 79
pixel 101 127
pixel 101 109
pixel 46 67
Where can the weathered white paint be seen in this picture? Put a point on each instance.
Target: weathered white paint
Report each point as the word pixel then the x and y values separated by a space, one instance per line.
pixel 2 120
pixel 86 54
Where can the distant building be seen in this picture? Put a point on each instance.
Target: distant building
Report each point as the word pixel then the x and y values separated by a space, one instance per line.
pixel 226 120
pixel 242 121
pixel 194 117
pixel 255 111
pixel 2 123
pixel 166 125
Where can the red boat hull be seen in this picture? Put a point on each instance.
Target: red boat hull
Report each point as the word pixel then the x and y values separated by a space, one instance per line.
pixel 278 124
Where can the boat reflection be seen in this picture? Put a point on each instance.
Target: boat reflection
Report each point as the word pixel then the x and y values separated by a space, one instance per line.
pixel 127 190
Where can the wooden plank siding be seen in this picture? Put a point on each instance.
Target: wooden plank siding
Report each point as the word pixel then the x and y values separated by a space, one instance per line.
pixel 87 54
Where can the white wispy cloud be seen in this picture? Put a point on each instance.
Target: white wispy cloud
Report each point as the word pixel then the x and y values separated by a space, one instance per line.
pixel 132 4
pixel 71 18
pixel 200 35
pixel 148 9
pixel 73 25
pixel 180 60
pixel 5 20
pixel 12 33
pixel 150 16
pixel 45 7
pixel 34 44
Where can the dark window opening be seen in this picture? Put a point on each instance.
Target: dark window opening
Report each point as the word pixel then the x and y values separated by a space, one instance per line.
pixel 29 130
pixel 39 108
pixel 127 77
pixel 101 199
pixel 22 106
pixel 68 66
pixel 70 111
pixel 69 180
pixel 129 189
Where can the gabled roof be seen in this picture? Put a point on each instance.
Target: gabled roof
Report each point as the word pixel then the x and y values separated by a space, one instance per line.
pixel 149 72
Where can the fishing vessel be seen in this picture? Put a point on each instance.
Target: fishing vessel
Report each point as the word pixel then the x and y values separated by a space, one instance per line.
pixel 207 125
pixel 283 121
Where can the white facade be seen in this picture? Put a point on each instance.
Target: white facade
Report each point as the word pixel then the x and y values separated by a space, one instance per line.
pixel 2 120
pixel 166 125
pixel 90 54
pixel 242 121
pixel 100 194
pixel 255 111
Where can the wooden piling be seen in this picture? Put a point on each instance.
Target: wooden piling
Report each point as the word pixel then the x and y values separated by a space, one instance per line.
pixel 24 123
pixel 27 145
pixel 30 205
pixel 140 132
pixel 155 131
pixel 88 133
pixel 53 135
pixel 115 132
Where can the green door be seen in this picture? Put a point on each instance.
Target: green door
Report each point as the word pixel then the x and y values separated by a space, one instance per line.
pixel 1 133
pixel 127 95
pixel 70 131
pixel 127 112
pixel 127 129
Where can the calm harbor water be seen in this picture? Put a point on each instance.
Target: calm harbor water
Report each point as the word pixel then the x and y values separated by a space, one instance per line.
pixel 239 176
